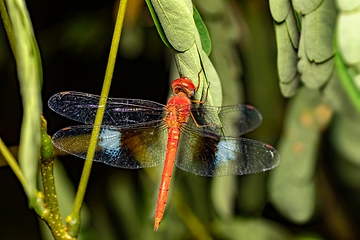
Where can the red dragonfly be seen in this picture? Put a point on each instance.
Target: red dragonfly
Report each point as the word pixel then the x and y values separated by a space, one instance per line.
pixel 201 139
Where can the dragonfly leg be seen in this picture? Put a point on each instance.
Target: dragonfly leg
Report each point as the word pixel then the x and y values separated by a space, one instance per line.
pixel 202 102
pixel 198 80
pixel 192 116
pixel 207 90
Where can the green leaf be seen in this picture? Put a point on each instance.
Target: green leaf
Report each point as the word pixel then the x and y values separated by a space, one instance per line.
pixel 29 72
pixel 318 30
pixel 292 184
pixel 347 5
pixel 223 193
pixel 289 89
pixel 306 6
pixel 336 97
pixel 177 20
pixel 357 81
pixel 287 57
pixel 292 28
pixel 251 229
pixel 215 96
pixel 348 35
pixel 279 9
pixel 315 75
pixel 225 38
pixel 157 24
pixel 203 32
pixel 345 137
pixel 190 63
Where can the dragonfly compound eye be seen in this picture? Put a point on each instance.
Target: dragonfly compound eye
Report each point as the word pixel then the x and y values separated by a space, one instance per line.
pixel 184 85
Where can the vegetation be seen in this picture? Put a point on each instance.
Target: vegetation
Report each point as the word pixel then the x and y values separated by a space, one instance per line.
pixel 295 61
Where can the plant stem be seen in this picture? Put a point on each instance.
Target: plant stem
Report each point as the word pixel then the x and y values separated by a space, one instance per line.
pixel 51 214
pixel 189 218
pixel 52 218
pixel 347 81
pixel 8 28
pixel 345 78
pixel 73 220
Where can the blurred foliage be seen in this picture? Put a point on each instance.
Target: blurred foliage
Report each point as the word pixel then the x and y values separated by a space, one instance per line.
pixel 318 49
pixel 313 194
pixel 29 73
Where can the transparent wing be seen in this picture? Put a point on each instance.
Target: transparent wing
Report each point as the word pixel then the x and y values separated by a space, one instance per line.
pixel 208 154
pixel 227 120
pixel 138 147
pixel 82 107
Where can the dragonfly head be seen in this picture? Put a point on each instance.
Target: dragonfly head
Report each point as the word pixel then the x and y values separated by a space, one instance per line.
pixel 184 86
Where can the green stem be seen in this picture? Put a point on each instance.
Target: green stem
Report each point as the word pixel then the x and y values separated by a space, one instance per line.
pixel 8 28
pixel 189 218
pixel 15 167
pixel 52 218
pixel 73 220
pixel 51 214
pixel 347 81
pixel 158 24
pixel 345 77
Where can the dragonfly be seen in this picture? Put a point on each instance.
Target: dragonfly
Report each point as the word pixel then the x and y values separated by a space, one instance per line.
pixel 200 139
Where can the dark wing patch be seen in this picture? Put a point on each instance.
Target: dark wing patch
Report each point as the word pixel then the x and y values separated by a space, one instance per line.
pixel 211 155
pixel 119 147
pixel 225 121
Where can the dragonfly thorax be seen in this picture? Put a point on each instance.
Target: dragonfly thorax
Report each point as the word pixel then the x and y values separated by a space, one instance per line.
pixel 178 110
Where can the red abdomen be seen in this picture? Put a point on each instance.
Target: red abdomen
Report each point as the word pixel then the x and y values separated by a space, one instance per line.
pixel 177 114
